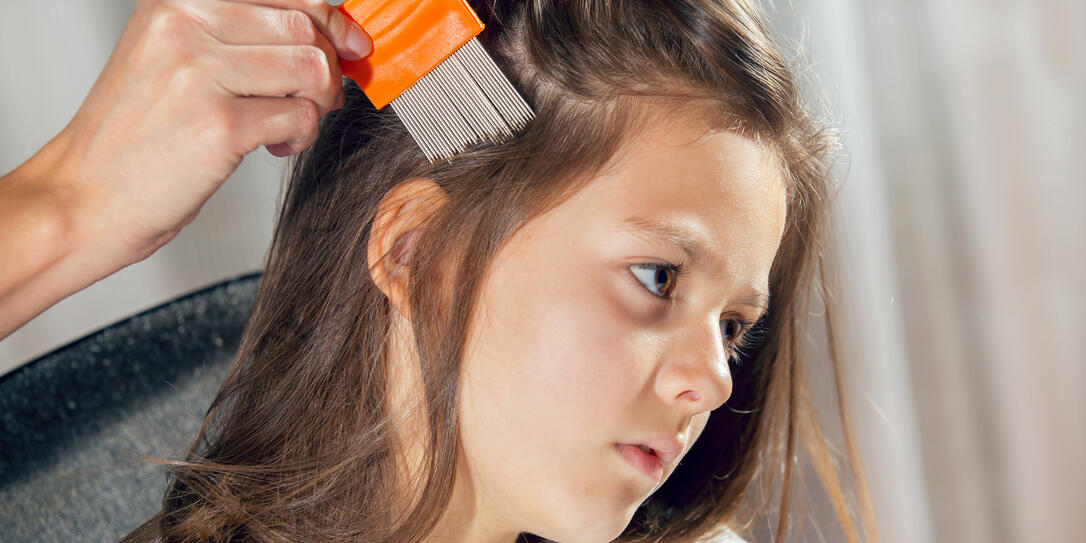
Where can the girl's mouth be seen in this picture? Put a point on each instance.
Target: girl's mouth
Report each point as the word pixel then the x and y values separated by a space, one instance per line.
pixel 643 459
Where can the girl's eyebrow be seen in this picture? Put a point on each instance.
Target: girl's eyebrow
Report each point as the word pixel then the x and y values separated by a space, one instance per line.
pixel 691 243
pixel 697 251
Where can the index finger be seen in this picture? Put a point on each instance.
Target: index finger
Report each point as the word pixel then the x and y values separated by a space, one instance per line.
pixel 349 39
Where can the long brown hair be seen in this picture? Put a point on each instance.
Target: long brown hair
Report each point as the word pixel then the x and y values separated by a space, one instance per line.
pixel 299 443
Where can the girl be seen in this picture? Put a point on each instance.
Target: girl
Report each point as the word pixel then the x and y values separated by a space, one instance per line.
pixel 589 333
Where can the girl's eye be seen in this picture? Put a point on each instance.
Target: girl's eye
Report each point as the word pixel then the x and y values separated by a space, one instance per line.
pixel 657 277
pixel 661 280
pixel 731 329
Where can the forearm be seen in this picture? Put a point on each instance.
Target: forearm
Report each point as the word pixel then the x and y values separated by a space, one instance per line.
pixel 40 259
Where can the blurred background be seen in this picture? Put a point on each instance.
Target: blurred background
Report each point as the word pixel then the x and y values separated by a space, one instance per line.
pixel 961 225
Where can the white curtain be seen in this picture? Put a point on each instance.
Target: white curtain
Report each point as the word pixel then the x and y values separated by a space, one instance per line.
pixel 961 229
pixel 962 233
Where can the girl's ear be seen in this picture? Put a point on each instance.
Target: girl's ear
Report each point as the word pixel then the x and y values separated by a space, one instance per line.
pixel 399 220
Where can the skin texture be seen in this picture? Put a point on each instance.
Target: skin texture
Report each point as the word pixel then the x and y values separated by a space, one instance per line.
pixel 571 352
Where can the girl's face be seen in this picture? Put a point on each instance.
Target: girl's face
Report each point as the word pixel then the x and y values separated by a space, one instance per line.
pixel 584 339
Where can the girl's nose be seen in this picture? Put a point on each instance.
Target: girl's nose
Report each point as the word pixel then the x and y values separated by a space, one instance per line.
pixel 697 374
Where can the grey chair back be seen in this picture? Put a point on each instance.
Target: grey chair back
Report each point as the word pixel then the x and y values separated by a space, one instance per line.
pixel 71 420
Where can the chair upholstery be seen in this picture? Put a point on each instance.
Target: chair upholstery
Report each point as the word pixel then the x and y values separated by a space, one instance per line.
pixel 71 420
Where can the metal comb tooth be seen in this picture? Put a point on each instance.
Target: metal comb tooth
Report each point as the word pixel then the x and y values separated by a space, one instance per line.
pixel 463 101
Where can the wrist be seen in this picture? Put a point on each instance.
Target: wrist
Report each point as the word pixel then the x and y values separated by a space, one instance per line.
pixel 52 240
pixel 33 245
pixel 73 190
pixel 96 223
pixel 42 226
pixel 58 228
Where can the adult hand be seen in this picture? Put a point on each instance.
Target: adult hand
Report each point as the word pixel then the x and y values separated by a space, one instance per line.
pixel 191 87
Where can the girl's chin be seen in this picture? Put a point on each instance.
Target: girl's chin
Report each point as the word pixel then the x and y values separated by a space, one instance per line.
pixel 602 528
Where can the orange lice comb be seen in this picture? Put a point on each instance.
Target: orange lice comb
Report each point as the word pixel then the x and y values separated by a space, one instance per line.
pixel 428 65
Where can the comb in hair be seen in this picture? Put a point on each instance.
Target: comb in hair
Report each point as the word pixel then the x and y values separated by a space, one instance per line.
pixel 439 80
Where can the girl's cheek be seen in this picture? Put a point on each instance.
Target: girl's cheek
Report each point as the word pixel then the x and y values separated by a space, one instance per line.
pixel 623 329
pixel 627 305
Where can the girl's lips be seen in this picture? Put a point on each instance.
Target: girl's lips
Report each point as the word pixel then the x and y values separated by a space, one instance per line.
pixel 646 463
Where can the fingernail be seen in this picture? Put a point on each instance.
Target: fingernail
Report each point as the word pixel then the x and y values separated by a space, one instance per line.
pixel 358 42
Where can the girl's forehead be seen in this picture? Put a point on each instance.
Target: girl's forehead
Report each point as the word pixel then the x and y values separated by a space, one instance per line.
pixel 719 192
pixel 722 177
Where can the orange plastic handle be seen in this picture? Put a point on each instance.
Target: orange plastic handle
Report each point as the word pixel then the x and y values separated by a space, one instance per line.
pixel 410 38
